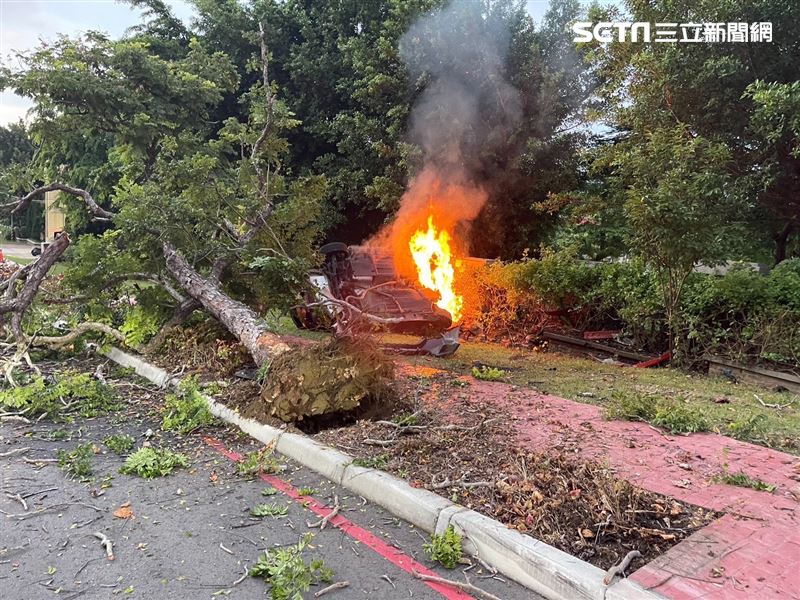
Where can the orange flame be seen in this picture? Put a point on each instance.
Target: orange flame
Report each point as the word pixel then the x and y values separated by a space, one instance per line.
pixel 431 252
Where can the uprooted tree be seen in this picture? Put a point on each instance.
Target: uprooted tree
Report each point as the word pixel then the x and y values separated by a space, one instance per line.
pixel 171 167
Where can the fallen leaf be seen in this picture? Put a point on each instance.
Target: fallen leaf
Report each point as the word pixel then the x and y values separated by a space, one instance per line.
pixel 586 533
pixel 717 571
pixel 682 483
pixel 575 494
pixel 124 512
pixel 213 477
pixel 721 400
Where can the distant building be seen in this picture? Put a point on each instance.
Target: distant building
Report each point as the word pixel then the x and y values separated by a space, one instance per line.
pixel 54 217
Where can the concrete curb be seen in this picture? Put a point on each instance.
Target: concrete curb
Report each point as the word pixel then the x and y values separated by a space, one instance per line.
pixel 542 568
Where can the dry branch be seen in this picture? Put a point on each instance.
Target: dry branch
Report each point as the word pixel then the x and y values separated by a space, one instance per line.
pixel 99 213
pixel 334 586
pixel 619 568
pixel 462 585
pixel 105 543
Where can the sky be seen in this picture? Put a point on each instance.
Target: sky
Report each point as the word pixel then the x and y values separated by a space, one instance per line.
pixel 23 23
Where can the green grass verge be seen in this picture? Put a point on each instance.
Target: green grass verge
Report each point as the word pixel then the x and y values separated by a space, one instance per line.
pixel 670 398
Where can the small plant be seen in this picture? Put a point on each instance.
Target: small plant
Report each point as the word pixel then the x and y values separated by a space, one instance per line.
pixel 120 444
pixel 406 419
pixel 153 462
pixel 445 548
pixel 306 491
pixel 381 461
pixel 78 461
pixel 58 435
pixel 487 373
pixel 744 480
pixel 679 418
pixel 259 461
pixel 287 572
pixel 676 417
pixel 186 410
pixel 269 510
pixel 269 491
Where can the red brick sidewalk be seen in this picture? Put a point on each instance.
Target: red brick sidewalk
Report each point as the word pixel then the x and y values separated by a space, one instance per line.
pixel 753 551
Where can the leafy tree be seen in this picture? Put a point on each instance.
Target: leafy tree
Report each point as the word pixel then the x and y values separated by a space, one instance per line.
pixel 189 198
pixel 708 88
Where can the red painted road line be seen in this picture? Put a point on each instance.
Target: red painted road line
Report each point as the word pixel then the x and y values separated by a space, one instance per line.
pixel 390 553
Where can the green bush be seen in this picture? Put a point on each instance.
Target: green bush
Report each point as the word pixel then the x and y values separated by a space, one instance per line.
pixel 78 461
pixel 186 410
pixel 743 315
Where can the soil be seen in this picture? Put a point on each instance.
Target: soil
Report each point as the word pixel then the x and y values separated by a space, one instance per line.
pixel 438 440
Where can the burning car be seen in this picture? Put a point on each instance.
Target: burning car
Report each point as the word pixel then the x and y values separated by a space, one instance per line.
pixel 363 282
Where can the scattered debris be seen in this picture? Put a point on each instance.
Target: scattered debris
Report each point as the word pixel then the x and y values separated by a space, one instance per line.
pixel 106 543
pixel 462 585
pixel 334 586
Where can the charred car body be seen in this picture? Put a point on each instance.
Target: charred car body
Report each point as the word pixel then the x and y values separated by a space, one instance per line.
pixel 362 281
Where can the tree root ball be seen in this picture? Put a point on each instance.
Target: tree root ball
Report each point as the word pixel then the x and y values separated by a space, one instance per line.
pixel 351 377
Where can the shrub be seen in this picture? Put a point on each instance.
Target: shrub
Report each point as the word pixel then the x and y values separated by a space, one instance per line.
pixel 186 410
pixel 153 462
pixel 445 548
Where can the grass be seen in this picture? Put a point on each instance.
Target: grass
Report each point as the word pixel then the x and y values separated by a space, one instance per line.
pixel 744 480
pixel 726 407
pixel 381 461
pixel 729 408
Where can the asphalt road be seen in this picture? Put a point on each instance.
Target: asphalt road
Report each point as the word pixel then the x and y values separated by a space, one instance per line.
pixel 16 250
pixel 191 535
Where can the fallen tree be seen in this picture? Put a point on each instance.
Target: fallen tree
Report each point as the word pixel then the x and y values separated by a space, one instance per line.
pixel 195 198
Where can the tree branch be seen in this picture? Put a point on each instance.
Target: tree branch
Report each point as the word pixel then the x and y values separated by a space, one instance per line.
pixel 100 214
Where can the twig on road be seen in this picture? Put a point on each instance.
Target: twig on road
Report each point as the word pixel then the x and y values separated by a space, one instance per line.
pixel 334 586
pixel 462 585
pixel 105 543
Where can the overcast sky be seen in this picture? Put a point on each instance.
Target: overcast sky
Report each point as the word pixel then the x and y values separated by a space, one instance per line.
pixel 24 22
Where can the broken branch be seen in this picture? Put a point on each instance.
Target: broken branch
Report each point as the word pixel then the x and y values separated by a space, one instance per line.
pixel 334 586
pixel 462 585
pixel 105 543
pixel 619 568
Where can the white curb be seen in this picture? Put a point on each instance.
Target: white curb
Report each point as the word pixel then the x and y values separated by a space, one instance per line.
pixel 542 568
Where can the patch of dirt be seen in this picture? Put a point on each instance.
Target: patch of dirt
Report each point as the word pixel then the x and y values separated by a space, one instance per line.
pixel 464 453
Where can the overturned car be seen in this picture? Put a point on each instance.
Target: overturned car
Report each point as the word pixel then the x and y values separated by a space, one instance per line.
pixel 362 283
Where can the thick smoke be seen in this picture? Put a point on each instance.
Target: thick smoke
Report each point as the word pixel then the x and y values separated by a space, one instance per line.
pixel 466 110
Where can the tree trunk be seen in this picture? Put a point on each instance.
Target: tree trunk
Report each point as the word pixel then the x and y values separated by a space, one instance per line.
pixel 782 241
pixel 242 321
